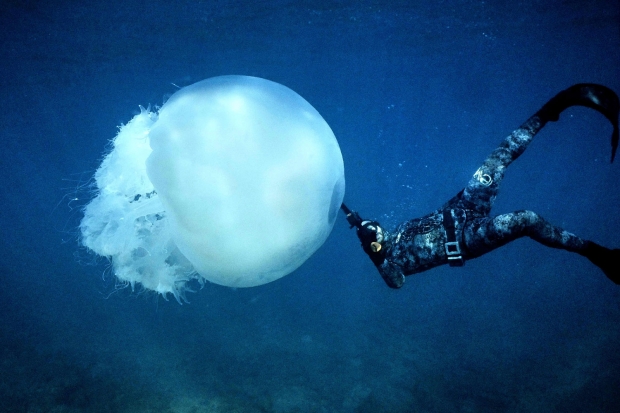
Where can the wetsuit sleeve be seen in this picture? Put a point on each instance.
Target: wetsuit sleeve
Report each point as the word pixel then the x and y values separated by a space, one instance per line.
pixel 391 274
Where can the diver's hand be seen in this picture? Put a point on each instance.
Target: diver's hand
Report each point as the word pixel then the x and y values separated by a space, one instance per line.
pixel 371 236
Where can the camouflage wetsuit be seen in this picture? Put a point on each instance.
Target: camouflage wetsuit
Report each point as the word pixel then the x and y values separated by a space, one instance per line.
pixel 462 228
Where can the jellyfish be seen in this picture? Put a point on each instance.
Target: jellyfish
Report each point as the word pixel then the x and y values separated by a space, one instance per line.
pixel 235 180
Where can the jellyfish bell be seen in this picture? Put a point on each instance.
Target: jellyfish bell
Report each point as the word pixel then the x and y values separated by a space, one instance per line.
pixel 236 180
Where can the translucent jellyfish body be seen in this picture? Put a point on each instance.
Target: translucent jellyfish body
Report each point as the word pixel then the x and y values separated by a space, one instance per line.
pixel 236 180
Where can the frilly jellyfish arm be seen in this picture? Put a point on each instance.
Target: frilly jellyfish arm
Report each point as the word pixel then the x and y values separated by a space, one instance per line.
pixel 239 182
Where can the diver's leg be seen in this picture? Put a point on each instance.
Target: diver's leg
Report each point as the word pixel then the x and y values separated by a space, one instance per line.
pixel 482 189
pixel 485 234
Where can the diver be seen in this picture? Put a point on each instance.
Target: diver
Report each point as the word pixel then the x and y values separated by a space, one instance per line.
pixel 462 229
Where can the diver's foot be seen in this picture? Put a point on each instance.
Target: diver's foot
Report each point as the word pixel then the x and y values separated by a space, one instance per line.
pixel 606 259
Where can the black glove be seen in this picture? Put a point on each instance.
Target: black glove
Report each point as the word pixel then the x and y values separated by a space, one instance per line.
pixel 370 234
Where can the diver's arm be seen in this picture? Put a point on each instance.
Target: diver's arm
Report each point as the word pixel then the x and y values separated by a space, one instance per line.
pixel 391 274
pixel 371 236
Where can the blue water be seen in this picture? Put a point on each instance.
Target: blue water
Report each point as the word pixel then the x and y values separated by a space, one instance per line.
pixel 417 93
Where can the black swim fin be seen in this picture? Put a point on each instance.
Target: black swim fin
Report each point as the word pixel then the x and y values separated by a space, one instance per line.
pixel 597 97
pixel 606 259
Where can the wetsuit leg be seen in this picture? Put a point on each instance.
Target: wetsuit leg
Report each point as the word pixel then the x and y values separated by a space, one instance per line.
pixel 481 191
pixel 485 234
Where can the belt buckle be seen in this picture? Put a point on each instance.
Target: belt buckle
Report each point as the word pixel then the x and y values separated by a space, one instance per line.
pixel 453 251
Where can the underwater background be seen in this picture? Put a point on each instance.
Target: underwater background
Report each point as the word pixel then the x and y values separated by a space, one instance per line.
pixel 418 94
